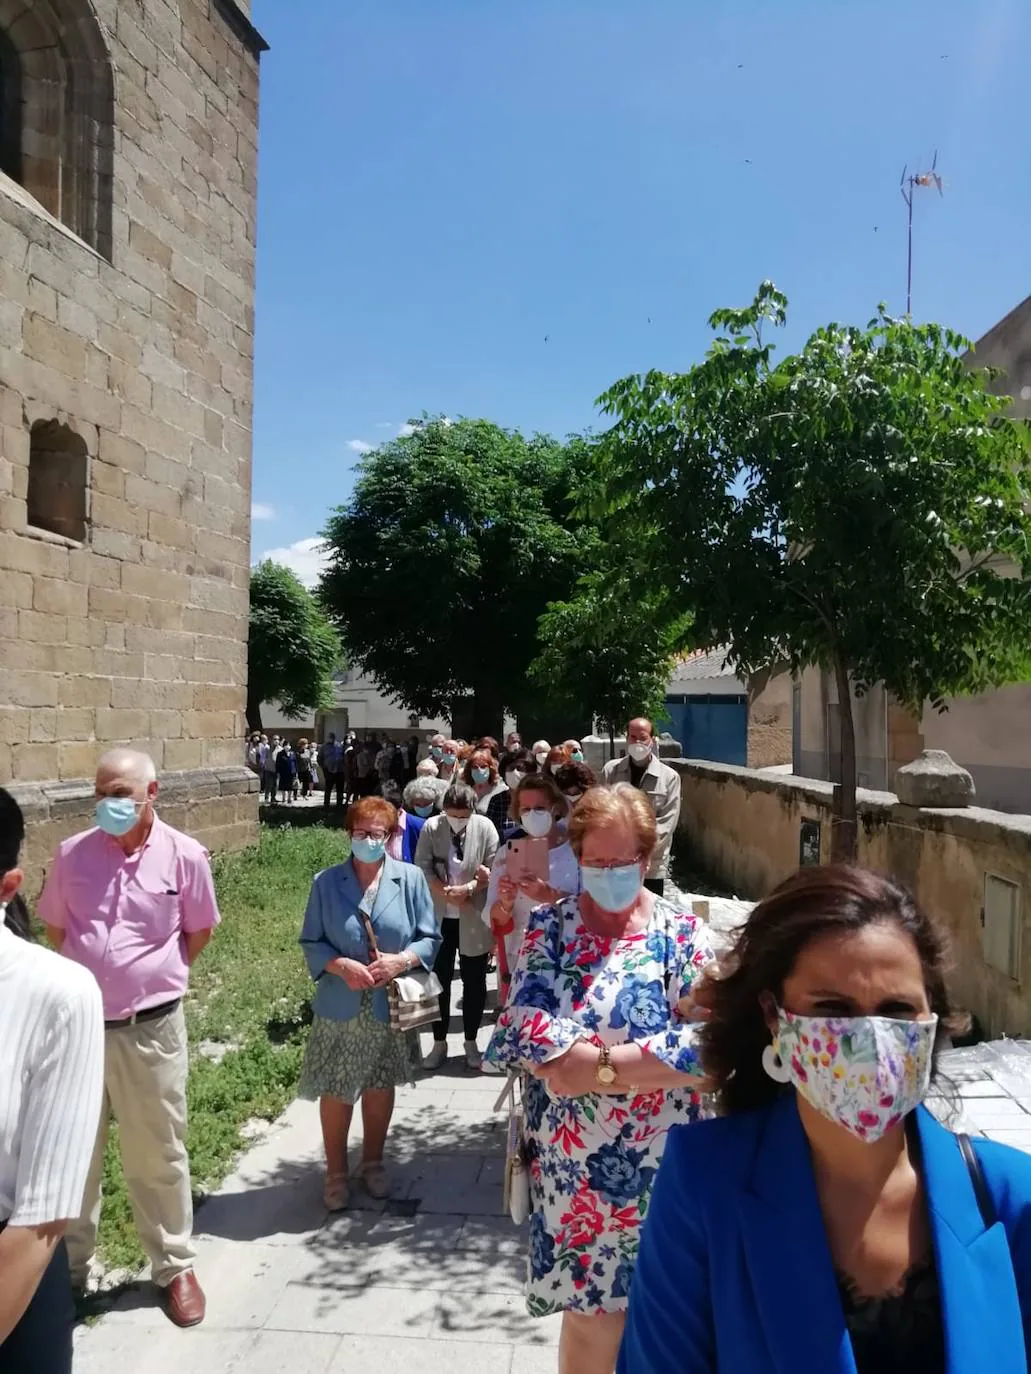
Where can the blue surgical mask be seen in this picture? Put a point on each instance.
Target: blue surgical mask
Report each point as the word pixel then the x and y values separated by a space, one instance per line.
pixel 116 815
pixel 481 774
pixel 614 889
pixel 423 811
pixel 368 851
pixel 576 756
pixel 449 759
pixel 436 752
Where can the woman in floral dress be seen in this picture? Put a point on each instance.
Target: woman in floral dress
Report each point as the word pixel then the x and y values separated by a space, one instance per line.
pixel 593 1018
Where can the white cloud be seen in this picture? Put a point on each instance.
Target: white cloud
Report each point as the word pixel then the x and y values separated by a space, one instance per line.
pixel 385 424
pixel 359 446
pixel 260 511
pixel 307 558
pixel 405 430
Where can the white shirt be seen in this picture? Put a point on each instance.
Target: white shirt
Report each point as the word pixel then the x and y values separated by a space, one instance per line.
pixel 51 1081
pixel 563 876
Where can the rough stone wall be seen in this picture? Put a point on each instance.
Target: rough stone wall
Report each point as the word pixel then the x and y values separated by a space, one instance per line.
pixel 769 724
pixel 138 633
pixel 744 828
pixel 216 805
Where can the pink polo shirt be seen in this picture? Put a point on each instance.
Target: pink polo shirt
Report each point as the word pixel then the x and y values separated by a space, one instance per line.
pixel 126 917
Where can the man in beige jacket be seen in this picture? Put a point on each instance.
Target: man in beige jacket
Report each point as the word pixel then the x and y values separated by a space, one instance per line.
pixel 642 768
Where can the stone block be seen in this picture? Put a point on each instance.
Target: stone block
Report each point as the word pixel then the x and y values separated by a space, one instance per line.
pixel 56 347
pixel 122 725
pixel 237 781
pixel 34 761
pixel 934 780
pixel 28 689
pixel 16 589
pixel 74 800
pixel 183 753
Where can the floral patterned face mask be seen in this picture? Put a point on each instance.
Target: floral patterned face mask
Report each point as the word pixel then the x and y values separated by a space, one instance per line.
pixel 864 1072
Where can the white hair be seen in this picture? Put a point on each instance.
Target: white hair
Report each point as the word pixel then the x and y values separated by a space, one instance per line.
pixel 128 763
pixel 426 768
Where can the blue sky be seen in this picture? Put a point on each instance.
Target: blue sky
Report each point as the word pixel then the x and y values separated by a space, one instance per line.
pixel 486 208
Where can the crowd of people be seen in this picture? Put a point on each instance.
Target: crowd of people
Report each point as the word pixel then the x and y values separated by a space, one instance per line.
pixel 730 1167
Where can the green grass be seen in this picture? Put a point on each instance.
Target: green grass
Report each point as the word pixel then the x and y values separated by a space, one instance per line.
pixel 250 990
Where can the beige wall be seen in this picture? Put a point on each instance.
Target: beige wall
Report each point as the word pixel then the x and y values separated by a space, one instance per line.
pixel 769 723
pixel 138 633
pixel 744 827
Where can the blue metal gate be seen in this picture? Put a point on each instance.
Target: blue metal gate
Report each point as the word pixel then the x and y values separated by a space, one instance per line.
pixel 710 727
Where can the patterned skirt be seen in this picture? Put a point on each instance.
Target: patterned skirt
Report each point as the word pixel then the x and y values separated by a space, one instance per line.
pixel 344 1058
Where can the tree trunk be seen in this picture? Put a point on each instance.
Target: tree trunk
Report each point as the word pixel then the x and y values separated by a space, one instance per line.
pixel 612 743
pixel 843 819
pixel 488 715
pixel 253 710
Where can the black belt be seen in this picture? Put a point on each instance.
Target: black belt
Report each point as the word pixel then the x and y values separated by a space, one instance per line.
pixel 148 1014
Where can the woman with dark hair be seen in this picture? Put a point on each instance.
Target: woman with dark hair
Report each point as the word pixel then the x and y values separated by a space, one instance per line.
pixel 574 779
pixel 51 1085
pixel 455 851
pixel 481 774
pixel 827 1223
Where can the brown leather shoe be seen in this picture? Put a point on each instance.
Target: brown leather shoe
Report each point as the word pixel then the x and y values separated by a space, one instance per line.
pixel 184 1300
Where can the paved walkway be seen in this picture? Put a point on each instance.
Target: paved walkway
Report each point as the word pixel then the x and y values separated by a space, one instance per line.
pixel 430 1280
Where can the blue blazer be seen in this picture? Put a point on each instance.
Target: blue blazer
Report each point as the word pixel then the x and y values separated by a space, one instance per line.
pixel 402 918
pixel 735 1274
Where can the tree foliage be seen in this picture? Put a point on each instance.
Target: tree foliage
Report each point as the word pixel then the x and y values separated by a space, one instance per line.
pixel 860 506
pixel 609 651
pixel 454 540
pixel 293 648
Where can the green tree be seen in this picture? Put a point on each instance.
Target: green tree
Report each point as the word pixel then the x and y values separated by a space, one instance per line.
pixel 609 651
pixel 861 506
pixel 454 540
pixel 293 648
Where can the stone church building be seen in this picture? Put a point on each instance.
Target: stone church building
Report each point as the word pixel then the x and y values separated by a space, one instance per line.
pixel 128 189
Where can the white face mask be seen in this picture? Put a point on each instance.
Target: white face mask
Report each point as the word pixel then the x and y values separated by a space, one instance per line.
pixel 640 752
pixel 541 756
pixel 458 823
pixel 537 822
pixel 514 778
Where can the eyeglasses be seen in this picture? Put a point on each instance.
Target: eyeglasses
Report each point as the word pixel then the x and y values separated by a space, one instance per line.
pixel 616 863
pixel 368 834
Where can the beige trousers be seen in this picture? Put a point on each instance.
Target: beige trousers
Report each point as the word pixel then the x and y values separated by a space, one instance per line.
pixel 145 1091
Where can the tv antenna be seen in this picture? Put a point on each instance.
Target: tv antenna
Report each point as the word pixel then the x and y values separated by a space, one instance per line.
pixel 908 185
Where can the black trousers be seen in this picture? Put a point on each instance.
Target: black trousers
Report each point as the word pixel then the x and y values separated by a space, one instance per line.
pixel 41 1343
pixel 656 885
pixel 334 781
pixel 473 968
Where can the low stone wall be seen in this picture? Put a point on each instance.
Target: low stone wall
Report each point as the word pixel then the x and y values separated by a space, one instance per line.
pixel 219 806
pixel 747 829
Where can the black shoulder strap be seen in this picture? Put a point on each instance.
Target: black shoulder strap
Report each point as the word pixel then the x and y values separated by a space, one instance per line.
pixel 984 1198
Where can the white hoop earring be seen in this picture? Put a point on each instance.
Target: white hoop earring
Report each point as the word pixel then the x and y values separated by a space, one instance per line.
pixel 775 1066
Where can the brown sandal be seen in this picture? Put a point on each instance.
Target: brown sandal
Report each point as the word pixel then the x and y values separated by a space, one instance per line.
pixel 336 1192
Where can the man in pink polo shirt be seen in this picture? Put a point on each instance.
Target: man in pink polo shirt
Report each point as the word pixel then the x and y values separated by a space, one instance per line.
pixel 133 901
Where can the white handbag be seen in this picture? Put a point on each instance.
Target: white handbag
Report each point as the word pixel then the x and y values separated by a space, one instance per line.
pixel 516 1189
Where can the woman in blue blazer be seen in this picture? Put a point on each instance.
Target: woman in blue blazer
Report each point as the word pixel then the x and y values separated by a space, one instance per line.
pixel 352 1051
pixel 826 1223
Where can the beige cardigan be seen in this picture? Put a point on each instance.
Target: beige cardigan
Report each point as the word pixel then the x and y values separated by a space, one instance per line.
pixel 432 854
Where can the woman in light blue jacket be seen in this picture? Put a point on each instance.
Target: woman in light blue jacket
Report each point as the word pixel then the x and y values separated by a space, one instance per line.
pixel 353 1052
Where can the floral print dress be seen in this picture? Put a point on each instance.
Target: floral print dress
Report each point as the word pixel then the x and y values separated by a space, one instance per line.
pixel 593 1159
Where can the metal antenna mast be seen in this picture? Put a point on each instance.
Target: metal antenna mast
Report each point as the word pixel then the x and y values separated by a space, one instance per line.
pixel 910 181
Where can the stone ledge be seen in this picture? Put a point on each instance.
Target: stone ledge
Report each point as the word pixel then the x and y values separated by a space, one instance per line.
pixel 972 822
pixel 43 801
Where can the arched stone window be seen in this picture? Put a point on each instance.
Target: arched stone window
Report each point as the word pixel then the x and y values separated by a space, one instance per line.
pixel 58 480
pixel 57 111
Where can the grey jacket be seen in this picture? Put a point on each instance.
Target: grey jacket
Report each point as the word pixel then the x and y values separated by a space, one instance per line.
pixel 661 784
pixel 480 842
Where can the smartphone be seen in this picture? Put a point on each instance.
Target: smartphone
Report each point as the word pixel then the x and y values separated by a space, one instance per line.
pixel 527 858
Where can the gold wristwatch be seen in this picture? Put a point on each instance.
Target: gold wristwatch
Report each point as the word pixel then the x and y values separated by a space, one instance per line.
pixel 605 1073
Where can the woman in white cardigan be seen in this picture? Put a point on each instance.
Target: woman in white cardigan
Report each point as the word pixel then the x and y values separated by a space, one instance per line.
pixel 455 851
pixel 51 1085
